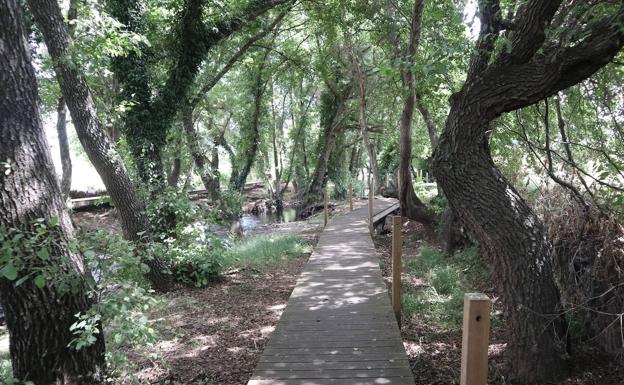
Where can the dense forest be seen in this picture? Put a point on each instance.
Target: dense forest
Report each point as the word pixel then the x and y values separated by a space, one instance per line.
pixel 202 136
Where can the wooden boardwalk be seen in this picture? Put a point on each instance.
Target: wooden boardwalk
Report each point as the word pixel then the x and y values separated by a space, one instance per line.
pixel 338 326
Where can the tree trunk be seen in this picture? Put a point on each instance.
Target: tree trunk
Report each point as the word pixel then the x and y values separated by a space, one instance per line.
pixel 174 175
pixel 331 124
pixel 210 181
pixel 250 135
pixel 372 157
pixel 61 130
pixel 38 319
pixel 411 206
pixel 94 140
pixel 509 233
pixel 512 238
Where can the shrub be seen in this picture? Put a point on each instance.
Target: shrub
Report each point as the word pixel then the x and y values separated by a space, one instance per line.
pixel 196 256
pixel 123 298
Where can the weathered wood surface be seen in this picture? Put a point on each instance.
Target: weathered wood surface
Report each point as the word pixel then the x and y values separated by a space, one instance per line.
pixel 338 326
pixel 391 207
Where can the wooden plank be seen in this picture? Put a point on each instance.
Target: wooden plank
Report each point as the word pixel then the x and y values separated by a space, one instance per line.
pixel 381 364
pixel 311 358
pixel 341 381
pixel 338 326
pixel 383 214
pixel 330 373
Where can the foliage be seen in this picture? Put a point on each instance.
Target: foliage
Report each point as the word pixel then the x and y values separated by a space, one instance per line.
pixel 262 251
pixel 196 256
pixel 123 298
pixel 25 256
pixel 448 278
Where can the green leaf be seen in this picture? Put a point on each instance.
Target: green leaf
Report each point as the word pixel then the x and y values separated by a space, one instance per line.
pixel 9 272
pixel 43 254
pixel 89 254
pixel 53 221
pixel 40 281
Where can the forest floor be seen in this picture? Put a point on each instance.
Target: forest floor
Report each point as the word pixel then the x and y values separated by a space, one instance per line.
pixel 216 334
pixel 434 348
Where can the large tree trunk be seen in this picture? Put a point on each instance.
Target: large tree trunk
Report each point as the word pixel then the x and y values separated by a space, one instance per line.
pixel 95 142
pixel 38 319
pixel 511 236
pixel 509 233
pixel 174 175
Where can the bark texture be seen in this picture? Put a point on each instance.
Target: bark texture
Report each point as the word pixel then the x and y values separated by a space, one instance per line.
pixel 38 319
pixel 94 140
pixel 510 234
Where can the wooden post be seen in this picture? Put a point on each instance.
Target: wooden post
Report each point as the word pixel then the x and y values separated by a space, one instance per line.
pixel 475 339
pixel 387 181
pixel 325 205
pixel 350 196
pixel 397 243
pixel 371 185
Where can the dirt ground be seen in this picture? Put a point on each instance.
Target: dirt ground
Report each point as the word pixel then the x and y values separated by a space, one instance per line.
pixel 216 334
pixel 435 354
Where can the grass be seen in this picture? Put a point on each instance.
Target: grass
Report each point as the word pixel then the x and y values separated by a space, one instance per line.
pixel 263 251
pixel 441 303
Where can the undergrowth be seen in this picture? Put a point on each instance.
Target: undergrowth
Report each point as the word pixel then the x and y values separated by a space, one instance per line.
pixel 262 251
pixel 448 278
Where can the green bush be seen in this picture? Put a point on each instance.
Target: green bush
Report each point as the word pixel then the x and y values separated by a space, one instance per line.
pixel 196 256
pixel 123 295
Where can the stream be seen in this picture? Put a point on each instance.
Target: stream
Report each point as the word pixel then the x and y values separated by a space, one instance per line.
pixel 252 221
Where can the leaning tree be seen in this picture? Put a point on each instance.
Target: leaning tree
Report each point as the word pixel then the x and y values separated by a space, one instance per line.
pixel 540 48
pixel 43 281
pixel 96 143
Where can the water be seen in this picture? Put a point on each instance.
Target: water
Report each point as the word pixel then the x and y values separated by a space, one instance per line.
pixel 251 221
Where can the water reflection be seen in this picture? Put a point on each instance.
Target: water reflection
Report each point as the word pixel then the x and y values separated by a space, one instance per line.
pixel 251 221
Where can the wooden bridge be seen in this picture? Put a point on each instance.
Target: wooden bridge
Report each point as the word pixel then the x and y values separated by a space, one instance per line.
pixel 338 326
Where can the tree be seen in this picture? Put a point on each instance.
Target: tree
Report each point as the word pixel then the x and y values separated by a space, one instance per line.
pixel 247 146
pixel 44 279
pixel 61 123
pixel 147 123
pixel 333 110
pixel 360 77
pixel 411 206
pixel 547 46
pixel 93 138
